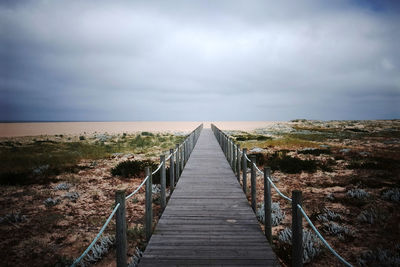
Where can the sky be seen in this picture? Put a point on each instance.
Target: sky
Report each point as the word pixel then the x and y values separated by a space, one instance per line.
pixel 199 60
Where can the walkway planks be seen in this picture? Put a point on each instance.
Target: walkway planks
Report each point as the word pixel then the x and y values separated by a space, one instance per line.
pixel 208 221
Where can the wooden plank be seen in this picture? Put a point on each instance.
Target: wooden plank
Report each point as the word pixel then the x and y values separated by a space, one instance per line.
pixel 208 221
pixel 206 262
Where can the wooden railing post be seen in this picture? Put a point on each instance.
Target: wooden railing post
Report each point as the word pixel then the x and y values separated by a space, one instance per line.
pixel 233 157
pixel 182 157
pixel 171 172
pixel 267 205
pixel 163 182
pixel 238 162
pixel 229 150
pixel 244 170
pixel 149 205
pixel 253 182
pixel 177 163
pixel 226 145
pixel 120 228
pixel 232 154
pixel 185 147
pixel 297 230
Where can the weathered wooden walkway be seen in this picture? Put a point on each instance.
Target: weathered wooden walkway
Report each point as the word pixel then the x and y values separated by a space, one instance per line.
pixel 208 220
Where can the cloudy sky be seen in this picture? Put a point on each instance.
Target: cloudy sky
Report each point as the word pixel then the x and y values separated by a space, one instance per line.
pixel 199 60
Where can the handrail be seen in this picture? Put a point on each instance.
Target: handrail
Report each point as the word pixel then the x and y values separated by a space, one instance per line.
pixel 321 237
pixel 97 236
pixel 222 137
pixel 194 134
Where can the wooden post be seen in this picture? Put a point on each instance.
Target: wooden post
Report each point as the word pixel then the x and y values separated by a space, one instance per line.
pixel 234 160
pixel 171 172
pixel 238 162
pixel 177 163
pixel 185 147
pixel 120 228
pixel 226 145
pixel 297 230
pixel 244 165
pixel 267 205
pixel 182 157
pixel 163 182
pixel 229 150
pixel 232 155
pixel 149 205
pixel 253 183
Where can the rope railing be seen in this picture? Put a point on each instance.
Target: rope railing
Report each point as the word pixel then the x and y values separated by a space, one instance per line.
pixel 229 148
pixel 97 236
pixel 321 237
pixel 177 157
pixel 158 168
pixel 137 189
pixel 273 184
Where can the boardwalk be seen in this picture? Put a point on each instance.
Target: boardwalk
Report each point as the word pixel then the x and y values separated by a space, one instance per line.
pixel 208 220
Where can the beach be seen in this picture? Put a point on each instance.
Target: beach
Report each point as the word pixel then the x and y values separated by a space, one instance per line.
pixel 18 129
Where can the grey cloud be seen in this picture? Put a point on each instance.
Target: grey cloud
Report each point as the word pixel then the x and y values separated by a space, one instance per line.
pixel 144 60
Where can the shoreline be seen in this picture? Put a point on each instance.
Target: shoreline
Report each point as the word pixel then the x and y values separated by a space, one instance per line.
pixel 24 129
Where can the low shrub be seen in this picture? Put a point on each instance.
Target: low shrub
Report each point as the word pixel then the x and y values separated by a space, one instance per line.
pixel 392 195
pixel 311 244
pixel 277 214
pixel 358 194
pixel 99 250
pixel 314 151
pixel 247 137
pixel 328 215
pixel 136 233
pixel 371 216
pixel 136 258
pixel 341 231
pixel 284 163
pixel 380 257
pixel 133 168
pixel 147 134
pixel 375 163
pixel 136 168
pixel 13 218
pixel 62 186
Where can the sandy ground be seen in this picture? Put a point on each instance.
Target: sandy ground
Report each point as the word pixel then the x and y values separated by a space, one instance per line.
pixel 54 234
pixel 53 128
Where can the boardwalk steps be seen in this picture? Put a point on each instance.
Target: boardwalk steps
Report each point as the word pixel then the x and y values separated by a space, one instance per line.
pixel 208 220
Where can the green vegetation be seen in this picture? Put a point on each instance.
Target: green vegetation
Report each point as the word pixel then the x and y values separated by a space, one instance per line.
pixel 133 168
pixel 375 163
pixel 284 142
pixel 284 163
pixel 247 136
pixel 136 233
pixel 136 168
pixel 315 151
pixel 38 161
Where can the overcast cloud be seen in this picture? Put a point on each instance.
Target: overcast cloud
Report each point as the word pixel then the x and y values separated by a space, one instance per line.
pixel 199 60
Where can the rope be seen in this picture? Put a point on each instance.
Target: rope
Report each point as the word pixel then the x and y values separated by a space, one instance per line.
pixel 247 158
pixel 170 155
pixel 322 239
pixel 272 183
pixel 159 167
pixel 97 237
pixel 137 189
